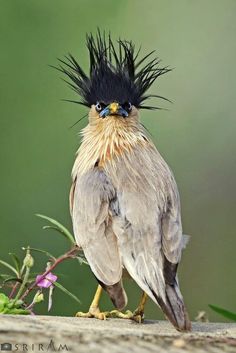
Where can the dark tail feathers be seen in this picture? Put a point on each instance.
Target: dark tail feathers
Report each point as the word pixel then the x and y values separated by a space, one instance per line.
pixel 174 308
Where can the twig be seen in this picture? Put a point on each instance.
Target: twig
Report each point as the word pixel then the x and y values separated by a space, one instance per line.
pixel 14 288
pixel 70 254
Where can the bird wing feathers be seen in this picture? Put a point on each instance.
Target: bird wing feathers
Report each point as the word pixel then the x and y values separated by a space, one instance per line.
pixel 149 225
pixel 91 195
pixel 149 229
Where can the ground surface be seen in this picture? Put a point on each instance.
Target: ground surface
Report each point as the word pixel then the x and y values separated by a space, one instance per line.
pixel 45 333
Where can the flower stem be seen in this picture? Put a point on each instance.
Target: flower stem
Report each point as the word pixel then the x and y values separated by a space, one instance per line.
pixel 22 287
pixel 14 288
pixel 70 254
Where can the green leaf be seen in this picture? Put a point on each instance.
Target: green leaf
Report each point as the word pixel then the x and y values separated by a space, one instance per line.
pixel 4 300
pixel 12 279
pixel 8 306
pixel 16 262
pixel 81 260
pixel 9 267
pixel 228 314
pixel 63 289
pixel 59 227
pixel 66 234
pixel 43 252
pixel 4 276
pixel 17 304
pixel 15 311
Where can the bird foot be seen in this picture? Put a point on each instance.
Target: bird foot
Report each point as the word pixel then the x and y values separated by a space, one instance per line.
pixel 94 312
pixel 136 316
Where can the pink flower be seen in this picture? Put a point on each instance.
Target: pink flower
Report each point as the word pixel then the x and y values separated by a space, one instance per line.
pixel 47 281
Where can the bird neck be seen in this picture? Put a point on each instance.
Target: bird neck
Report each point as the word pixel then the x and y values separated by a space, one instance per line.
pixel 104 140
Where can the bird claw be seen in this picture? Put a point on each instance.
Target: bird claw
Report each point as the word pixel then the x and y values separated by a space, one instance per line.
pixel 118 314
pixel 136 316
pixel 94 312
pixel 81 314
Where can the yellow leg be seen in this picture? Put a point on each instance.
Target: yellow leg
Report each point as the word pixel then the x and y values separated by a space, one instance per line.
pixel 94 310
pixel 96 299
pixel 139 312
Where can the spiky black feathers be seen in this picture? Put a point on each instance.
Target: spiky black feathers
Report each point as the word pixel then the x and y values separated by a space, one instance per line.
pixel 116 74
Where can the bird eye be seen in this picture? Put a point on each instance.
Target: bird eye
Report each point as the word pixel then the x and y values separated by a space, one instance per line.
pixel 127 106
pixel 98 107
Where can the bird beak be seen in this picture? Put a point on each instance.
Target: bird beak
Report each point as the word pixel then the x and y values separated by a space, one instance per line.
pixel 114 109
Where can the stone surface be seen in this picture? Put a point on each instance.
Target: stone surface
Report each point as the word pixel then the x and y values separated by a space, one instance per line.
pixel 47 333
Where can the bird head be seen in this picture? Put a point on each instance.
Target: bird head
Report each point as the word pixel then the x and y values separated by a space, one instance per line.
pixel 118 79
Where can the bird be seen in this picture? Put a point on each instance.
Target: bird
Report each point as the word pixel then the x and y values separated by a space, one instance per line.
pixel 124 201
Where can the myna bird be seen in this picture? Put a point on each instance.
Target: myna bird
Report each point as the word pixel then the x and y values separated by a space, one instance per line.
pixel 124 200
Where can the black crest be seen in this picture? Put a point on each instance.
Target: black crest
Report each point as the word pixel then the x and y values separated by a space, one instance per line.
pixel 116 73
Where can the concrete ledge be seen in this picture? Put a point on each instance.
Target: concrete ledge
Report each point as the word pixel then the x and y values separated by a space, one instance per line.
pixel 49 333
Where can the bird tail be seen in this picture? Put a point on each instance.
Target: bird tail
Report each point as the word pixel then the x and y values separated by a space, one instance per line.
pixel 174 308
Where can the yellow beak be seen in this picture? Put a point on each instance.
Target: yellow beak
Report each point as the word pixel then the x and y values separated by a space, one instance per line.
pixel 114 107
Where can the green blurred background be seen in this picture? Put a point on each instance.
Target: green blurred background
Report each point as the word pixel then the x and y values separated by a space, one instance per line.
pixel 196 136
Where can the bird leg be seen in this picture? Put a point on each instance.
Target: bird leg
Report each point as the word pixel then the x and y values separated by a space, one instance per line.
pixel 94 310
pixel 137 315
pixel 139 312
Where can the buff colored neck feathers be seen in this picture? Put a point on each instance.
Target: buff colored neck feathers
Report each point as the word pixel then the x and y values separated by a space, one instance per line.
pixel 106 139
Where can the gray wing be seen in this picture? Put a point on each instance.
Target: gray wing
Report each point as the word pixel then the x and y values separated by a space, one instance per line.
pixel 173 240
pixel 149 224
pixel 149 230
pixel 138 229
pixel 90 197
pixel 141 194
